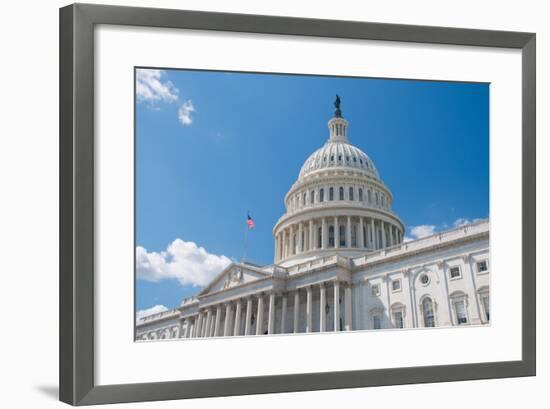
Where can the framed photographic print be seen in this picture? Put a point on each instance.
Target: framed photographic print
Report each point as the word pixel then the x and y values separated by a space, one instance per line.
pixel 276 193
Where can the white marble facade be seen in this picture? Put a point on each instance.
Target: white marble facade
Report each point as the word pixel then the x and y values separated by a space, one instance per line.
pixel 341 263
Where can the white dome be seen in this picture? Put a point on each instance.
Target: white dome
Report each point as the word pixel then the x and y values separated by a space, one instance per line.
pixel 339 155
pixel 338 205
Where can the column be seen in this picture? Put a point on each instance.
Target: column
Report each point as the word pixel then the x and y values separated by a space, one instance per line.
pixel 237 329
pixel 260 317
pixel 361 236
pixel 187 325
pixel 276 248
pixel 310 243
pixel 211 328
pixel 324 233
pixel 336 233
pixel 322 313
pixel 248 319
pixel 336 305
pixel 208 322
pixel 227 324
pixel 348 232
pixel 296 311
pixel 347 308
pixel 309 312
pixel 199 325
pixel 283 314
pixel 373 235
pixel 383 230
pixel 300 238
pixel 217 322
pixel 271 314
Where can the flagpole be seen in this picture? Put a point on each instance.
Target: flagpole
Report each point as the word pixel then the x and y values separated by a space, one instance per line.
pixel 246 228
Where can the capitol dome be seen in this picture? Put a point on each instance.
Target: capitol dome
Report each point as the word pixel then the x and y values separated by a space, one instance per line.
pixel 338 204
pixel 339 154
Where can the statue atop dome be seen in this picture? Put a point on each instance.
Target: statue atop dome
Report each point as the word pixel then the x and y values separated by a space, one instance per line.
pixel 337 112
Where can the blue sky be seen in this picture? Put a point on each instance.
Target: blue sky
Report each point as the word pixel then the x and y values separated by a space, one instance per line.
pixel 212 145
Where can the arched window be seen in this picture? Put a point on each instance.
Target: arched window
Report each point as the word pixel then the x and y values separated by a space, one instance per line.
pixel 350 193
pixel 360 194
pixel 331 236
pixel 312 197
pixel 331 193
pixel 483 293
pixel 304 199
pixel 369 198
pixel 428 312
pixel 341 193
pixel 321 195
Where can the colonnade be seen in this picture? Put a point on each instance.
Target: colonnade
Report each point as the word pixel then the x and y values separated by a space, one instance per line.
pixel 335 232
pixel 227 319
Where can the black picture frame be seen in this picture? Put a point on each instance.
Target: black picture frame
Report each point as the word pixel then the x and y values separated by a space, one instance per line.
pixel 76 275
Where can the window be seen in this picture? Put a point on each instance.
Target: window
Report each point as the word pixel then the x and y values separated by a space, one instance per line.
pixel 304 199
pixel 341 193
pixel 460 312
pixel 482 266
pixel 484 298
pixel 331 236
pixel 397 316
pixel 342 235
pixel 369 198
pixel 332 158
pixel 396 285
pixel 350 193
pixel 340 158
pixel 376 198
pixel 331 193
pixel 375 289
pixel 454 272
pixel 376 321
pixel 360 194
pixel 312 197
pixel 319 237
pixel 321 195
pixel 428 312
pixel 347 158
pixel 424 279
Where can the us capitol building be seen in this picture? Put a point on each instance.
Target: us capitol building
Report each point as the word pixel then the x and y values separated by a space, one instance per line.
pixel 340 264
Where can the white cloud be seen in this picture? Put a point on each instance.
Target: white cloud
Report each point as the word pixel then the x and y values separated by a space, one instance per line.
pixel 151 87
pixel 184 113
pixel 183 260
pixel 150 311
pixel 424 230
pixel 463 221
pixel 407 238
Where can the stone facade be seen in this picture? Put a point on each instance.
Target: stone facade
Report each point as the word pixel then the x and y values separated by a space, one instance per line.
pixel 341 263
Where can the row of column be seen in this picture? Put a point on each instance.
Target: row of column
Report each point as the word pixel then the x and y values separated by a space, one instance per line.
pixel 358 232
pixel 208 323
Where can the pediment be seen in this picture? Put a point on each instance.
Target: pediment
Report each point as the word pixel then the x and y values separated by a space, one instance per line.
pixel 234 275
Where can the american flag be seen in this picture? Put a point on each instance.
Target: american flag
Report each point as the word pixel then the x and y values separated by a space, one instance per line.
pixel 250 222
